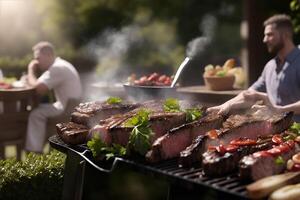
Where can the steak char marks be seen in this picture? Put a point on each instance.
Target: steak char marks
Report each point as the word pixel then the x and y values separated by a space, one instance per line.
pixel 90 113
pixel 114 129
pixel 266 163
pixel 216 163
pixel 171 144
pixel 252 125
pixel 72 133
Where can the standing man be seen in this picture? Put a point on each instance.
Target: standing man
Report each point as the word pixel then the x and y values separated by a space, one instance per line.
pixel 59 76
pixel 279 84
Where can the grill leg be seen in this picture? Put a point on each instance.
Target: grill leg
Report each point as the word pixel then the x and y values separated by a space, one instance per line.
pixel 73 177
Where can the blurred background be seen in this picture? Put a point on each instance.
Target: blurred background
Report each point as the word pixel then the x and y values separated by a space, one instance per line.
pixel 109 40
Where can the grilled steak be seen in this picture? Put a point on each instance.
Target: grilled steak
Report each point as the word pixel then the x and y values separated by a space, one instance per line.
pixel 193 153
pixel 266 163
pixel 216 163
pixel 72 133
pixel 114 129
pixel 171 144
pixel 252 125
pixel 90 113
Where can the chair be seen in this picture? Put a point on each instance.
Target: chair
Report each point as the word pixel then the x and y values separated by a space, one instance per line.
pixel 64 117
pixel 15 106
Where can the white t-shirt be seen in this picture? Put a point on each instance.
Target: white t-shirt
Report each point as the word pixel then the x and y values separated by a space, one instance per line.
pixel 63 78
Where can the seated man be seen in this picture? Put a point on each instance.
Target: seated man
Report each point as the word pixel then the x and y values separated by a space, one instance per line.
pixel 278 85
pixel 59 76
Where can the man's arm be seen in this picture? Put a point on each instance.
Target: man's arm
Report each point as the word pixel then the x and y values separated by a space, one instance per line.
pixel 295 107
pixel 41 88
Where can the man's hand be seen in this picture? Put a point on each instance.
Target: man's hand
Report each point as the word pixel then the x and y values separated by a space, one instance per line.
pixel 33 65
pixel 222 109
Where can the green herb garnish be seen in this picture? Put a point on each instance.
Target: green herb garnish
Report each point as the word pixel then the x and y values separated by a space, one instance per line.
pixel 139 139
pixel 171 105
pixel 295 128
pixel 193 114
pixel 114 100
pixel 98 147
pixel 279 161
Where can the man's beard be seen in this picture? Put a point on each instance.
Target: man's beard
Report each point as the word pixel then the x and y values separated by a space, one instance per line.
pixel 274 49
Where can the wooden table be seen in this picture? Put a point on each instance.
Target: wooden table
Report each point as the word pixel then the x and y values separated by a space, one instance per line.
pixel 15 106
pixel 207 97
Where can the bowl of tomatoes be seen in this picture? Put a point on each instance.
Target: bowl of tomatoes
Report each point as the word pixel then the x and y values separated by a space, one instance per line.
pixel 152 86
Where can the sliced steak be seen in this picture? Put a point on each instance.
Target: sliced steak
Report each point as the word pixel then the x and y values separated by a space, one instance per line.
pixel 193 153
pixel 114 130
pixel 72 133
pixel 90 113
pixel 171 144
pixel 252 126
pixel 217 163
pixel 266 163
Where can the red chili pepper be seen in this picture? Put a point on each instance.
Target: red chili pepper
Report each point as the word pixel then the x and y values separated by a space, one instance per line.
pixel 277 139
pixel 274 151
pixel 231 148
pixel 243 142
pixel 291 143
pixel 284 147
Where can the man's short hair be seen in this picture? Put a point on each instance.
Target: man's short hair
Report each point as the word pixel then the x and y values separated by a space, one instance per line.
pixel 44 47
pixel 281 22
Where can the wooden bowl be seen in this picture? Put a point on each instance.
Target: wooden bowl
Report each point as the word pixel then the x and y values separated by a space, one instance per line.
pixel 219 83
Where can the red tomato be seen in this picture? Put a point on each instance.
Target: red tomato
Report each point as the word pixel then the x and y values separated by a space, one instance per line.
pixel 243 142
pixel 291 143
pixel 277 139
pixel 213 134
pixel 143 79
pixel 153 77
pixel 167 82
pixel 284 147
pixel 261 154
pixel 231 148
pixel 162 78
pixel 274 151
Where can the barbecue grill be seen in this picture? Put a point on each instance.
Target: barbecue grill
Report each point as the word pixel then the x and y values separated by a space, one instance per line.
pixel 190 182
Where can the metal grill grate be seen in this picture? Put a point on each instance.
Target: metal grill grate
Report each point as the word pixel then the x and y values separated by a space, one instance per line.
pixel 229 184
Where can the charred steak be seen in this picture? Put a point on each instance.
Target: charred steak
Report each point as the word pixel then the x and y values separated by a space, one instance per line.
pixel 266 163
pixel 171 144
pixel 72 133
pixel 90 113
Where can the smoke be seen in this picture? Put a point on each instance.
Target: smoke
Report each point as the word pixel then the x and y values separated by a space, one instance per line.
pixel 109 49
pixel 197 46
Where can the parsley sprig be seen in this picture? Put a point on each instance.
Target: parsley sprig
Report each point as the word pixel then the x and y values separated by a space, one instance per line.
pixel 279 160
pixel 114 100
pixel 98 147
pixel 295 128
pixel 139 139
pixel 193 114
pixel 171 105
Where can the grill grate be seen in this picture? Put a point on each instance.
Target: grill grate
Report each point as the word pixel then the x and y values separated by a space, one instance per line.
pixel 169 169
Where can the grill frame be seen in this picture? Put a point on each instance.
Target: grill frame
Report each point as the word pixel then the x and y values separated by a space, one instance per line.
pixel 227 186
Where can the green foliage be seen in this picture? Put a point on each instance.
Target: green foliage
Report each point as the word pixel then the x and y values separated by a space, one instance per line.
pixel 295 8
pixel 279 161
pixel 295 128
pixel 99 148
pixel 37 177
pixel 114 100
pixel 171 105
pixel 139 139
pixel 193 114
